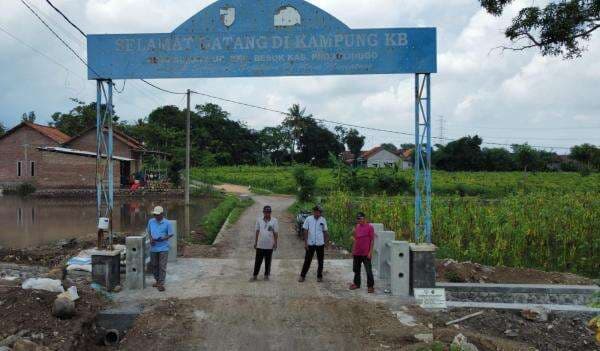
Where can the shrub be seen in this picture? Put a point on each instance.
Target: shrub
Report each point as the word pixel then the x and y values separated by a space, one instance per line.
pixel 391 183
pixel 306 183
pixel 174 174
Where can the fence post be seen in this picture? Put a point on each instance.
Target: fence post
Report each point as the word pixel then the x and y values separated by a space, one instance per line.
pixel 385 238
pixel 135 278
pixel 400 268
pixel 173 243
pixel 378 227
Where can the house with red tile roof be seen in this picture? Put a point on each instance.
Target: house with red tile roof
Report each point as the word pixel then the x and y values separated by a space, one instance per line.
pixel 378 157
pixel 49 159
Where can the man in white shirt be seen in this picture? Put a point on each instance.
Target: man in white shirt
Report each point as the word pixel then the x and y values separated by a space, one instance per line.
pixel 265 241
pixel 315 237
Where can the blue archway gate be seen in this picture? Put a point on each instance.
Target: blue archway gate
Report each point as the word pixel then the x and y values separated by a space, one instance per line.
pixel 261 38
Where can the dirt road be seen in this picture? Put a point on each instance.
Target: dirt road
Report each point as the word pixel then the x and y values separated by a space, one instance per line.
pixel 210 304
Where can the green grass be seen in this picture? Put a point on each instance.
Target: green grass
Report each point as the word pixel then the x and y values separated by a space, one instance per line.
pixel 485 184
pixel 231 207
pixel 239 210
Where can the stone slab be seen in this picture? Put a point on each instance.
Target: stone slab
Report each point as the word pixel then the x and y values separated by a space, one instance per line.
pixel 519 307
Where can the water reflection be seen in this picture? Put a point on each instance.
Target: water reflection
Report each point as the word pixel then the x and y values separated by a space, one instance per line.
pixel 30 222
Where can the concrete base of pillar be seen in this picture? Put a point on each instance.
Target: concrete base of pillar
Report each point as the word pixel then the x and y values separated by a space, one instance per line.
pixel 422 266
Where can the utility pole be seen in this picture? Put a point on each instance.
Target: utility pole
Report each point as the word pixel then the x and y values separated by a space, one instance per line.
pixel 187 149
pixel 442 123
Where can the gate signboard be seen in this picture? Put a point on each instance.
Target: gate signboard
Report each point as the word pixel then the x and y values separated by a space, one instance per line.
pixel 262 38
pixel 252 38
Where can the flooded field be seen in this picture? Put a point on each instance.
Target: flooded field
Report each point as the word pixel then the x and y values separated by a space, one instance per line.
pixel 27 222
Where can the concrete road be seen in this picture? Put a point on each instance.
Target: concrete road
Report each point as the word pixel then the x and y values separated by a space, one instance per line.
pixel 210 304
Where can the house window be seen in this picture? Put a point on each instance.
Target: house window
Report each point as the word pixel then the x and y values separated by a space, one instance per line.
pixel 19 164
pixel 32 169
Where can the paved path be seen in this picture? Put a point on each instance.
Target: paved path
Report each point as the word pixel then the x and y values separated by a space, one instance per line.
pixel 238 240
pixel 210 304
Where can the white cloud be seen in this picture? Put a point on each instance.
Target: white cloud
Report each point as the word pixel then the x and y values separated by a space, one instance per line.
pixel 475 87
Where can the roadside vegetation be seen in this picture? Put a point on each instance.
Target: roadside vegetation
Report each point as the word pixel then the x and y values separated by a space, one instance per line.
pixel 230 208
pixel 548 221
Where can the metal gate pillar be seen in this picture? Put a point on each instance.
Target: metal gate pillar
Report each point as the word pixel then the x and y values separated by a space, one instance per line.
pixel 104 153
pixel 422 158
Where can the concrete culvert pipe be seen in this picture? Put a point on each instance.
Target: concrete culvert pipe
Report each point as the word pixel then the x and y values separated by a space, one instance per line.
pixel 111 337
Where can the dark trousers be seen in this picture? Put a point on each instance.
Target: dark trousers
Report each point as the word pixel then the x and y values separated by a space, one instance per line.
pixel 267 255
pixel 358 261
pixel 308 260
pixel 158 265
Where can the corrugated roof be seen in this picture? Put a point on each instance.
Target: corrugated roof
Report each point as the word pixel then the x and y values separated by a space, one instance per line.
pixel 64 150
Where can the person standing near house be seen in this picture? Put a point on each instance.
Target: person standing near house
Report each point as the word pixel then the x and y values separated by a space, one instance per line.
pixel 362 251
pixel 315 237
pixel 160 231
pixel 265 241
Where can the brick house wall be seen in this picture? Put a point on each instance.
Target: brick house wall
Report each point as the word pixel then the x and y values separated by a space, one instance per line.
pixel 66 171
pixel 87 142
pixel 52 170
pixel 21 146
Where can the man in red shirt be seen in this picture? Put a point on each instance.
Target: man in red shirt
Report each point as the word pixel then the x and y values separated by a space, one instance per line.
pixel 362 250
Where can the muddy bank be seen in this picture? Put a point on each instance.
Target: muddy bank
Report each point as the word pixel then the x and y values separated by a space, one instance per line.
pixel 448 270
pixel 28 313
pixel 91 193
pixel 51 255
pixel 563 332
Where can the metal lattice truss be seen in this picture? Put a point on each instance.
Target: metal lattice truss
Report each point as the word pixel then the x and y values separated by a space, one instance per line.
pixel 104 152
pixel 422 158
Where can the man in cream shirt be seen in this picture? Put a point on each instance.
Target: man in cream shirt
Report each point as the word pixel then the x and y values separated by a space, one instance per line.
pixel 265 241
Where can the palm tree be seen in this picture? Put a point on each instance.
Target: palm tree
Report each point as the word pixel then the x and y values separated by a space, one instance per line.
pixel 294 124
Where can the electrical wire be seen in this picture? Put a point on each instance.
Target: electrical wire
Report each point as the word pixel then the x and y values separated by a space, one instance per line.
pixel 59 37
pixel 66 18
pixel 122 89
pixel 38 51
pixel 243 103
pixel 162 89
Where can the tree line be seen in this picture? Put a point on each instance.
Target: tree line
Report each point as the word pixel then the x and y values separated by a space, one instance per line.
pixel 218 140
pixel 466 154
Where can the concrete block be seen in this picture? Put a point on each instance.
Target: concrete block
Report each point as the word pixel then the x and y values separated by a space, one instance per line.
pixel 378 227
pixel 385 238
pixel 422 266
pixel 173 243
pixel 106 268
pixel 400 268
pixel 136 262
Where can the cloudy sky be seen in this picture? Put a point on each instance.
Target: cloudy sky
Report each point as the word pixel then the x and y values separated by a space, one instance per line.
pixel 509 97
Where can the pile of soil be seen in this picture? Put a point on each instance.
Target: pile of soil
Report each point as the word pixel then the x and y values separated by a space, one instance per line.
pixel 53 254
pixel 563 332
pixel 31 310
pixel 50 255
pixel 448 270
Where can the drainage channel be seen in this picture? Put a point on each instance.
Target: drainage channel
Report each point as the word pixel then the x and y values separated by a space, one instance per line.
pixel 113 324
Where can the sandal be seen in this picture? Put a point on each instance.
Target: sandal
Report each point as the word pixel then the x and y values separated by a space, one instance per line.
pixel 371 290
pixel 354 287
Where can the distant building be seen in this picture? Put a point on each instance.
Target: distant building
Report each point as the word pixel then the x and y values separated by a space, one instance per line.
pixel 49 159
pixel 379 157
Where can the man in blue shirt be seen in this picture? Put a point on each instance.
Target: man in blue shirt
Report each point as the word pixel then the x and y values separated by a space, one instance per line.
pixel 160 231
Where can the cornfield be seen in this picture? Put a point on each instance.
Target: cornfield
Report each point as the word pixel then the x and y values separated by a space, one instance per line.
pixel 555 232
